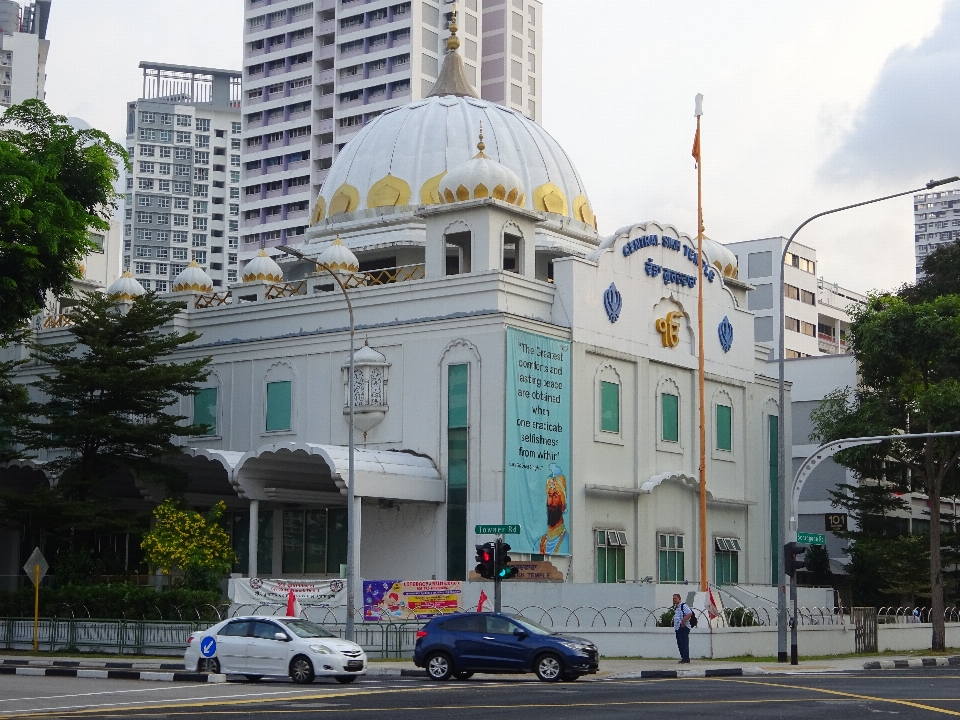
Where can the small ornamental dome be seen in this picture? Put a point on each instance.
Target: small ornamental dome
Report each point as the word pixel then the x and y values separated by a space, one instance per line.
pixel 720 257
pixel 126 287
pixel 262 268
pixel 192 279
pixel 481 177
pixel 338 257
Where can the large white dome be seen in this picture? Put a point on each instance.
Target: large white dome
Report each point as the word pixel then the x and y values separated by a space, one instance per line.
pixel 400 158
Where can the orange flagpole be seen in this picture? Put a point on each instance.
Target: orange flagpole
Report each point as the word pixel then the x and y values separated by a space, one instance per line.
pixel 700 354
pixel 36 606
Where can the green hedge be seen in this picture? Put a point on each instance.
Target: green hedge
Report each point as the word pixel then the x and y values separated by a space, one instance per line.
pixel 131 602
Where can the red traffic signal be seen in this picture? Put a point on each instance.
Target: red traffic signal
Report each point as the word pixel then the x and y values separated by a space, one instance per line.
pixel 486 561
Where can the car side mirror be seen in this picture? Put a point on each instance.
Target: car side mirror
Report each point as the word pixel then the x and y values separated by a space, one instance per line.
pixel 281 636
pixel 520 633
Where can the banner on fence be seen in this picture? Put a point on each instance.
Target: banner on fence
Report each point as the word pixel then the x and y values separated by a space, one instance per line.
pixel 410 599
pixel 317 593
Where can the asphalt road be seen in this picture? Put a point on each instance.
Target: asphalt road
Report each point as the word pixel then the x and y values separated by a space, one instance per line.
pixel 906 694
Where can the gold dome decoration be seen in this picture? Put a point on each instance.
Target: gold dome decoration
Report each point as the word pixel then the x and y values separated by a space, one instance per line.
pixel 262 268
pixel 549 198
pixel 389 191
pixel 192 279
pixel 319 211
pixel 337 257
pixel 481 177
pixel 583 212
pixel 430 192
pixel 126 287
pixel 345 199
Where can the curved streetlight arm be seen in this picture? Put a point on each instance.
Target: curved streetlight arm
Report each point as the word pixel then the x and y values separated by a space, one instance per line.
pixel 781 415
pixel 353 531
pixel 829 449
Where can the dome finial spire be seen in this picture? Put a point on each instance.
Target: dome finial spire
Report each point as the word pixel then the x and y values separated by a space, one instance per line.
pixel 453 42
pixel 480 146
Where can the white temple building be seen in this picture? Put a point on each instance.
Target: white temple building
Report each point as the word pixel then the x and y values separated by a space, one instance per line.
pixel 512 366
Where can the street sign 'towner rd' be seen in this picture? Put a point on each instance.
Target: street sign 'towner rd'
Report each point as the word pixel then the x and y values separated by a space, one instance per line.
pixel 811 538
pixel 497 529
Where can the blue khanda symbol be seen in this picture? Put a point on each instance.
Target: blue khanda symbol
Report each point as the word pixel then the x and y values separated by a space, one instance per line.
pixel 612 302
pixel 725 331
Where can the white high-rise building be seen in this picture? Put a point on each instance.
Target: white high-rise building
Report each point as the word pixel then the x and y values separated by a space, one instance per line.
pixel 183 196
pixel 316 71
pixel 936 221
pixel 816 312
pixel 23 51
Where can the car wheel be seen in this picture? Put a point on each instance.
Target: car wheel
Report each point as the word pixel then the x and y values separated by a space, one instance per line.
pixel 463 675
pixel 439 666
pixel 209 665
pixel 254 678
pixel 346 679
pixel 301 670
pixel 548 667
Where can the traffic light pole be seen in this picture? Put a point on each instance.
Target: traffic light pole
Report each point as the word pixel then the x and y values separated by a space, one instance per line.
pixel 793 625
pixel 496 579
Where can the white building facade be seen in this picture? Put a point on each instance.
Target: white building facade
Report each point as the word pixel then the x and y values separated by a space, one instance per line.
pixel 936 221
pixel 317 71
pixel 512 366
pixel 816 311
pixel 23 51
pixel 182 198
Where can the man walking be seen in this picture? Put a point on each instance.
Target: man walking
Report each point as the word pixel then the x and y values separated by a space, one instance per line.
pixel 681 625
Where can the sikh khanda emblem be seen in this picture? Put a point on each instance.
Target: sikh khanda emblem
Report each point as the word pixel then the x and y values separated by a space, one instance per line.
pixel 669 329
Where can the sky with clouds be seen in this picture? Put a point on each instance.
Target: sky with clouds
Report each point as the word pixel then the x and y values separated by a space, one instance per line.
pixel 808 106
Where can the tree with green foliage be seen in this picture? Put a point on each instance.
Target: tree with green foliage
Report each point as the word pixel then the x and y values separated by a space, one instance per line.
pixel 909 363
pixel 818 566
pixel 14 400
pixel 190 542
pixel 56 184
pixel 108 394
pixel 941 276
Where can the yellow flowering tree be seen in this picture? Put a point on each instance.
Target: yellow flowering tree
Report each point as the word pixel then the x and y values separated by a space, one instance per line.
pixel 193 543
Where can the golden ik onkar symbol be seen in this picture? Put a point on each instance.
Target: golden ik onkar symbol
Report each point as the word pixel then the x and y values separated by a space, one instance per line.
pixel 669 329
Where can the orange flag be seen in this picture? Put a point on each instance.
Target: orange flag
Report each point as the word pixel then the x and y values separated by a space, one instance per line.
pixel 696 146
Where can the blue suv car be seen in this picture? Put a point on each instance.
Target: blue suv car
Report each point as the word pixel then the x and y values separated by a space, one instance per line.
pixel 460 645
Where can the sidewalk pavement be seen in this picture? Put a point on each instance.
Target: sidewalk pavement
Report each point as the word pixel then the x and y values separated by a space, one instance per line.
pixel 610 669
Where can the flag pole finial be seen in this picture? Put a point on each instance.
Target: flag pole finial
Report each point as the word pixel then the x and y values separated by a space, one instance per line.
pixel 698 110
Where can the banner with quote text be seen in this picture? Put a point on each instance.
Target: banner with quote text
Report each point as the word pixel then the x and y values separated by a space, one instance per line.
pixel 537 466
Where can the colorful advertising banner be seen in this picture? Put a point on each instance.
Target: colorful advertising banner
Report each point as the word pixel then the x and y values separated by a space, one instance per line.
pixel 537 476
pixel 385 600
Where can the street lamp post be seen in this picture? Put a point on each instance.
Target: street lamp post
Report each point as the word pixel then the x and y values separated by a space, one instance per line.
pixel 353 532
pixel 781 440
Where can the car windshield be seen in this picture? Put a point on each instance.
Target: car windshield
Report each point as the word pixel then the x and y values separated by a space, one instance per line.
pixel 307 629
pixel 531 626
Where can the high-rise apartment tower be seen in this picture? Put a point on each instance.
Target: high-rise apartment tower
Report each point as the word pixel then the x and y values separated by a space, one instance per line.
pixel 183 196
pixel 936 221
pixel 316 72
pixel 23 51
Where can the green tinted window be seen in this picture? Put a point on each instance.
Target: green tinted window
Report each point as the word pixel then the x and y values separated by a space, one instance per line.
pixel 278 406
pixel 609 407
pixel 457 379
pixel 671 417
pixel 205 409
pixel 724 430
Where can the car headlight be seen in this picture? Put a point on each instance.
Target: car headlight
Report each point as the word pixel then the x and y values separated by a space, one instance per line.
pixel 579 647
pixel 322 649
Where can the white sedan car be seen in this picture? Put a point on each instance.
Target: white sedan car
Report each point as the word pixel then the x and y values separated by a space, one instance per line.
pixel 259 646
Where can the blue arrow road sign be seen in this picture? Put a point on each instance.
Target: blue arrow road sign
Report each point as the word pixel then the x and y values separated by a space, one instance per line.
pixel 208 647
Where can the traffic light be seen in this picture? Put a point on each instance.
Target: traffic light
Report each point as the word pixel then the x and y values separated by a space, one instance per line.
pixel 486 565
pixel 504 571
pixel 791 563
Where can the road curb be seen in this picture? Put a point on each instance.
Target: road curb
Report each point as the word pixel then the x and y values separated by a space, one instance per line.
pixel 151 675
pixel 106 664
pixel 686 673
pixel 953 660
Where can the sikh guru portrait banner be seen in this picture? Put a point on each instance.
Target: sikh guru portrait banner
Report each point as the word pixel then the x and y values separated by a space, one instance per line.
pixel 537 465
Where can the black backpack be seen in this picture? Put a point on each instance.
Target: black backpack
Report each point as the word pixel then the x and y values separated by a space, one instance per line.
pixel 693 615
